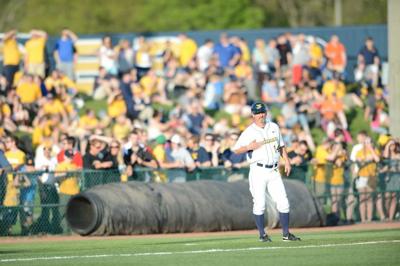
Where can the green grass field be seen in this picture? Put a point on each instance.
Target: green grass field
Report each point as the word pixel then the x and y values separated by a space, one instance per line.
pixel 371 247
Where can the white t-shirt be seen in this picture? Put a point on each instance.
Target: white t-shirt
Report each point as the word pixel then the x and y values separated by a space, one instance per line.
pixel 204 55
pixel 268 153
pixel 105 58
pixel 353 154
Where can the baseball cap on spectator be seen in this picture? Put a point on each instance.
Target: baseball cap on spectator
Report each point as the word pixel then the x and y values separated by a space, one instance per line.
pixel 258 108
pixel 160 139
pixel 176 139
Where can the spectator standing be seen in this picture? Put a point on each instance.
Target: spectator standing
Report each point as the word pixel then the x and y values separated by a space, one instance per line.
pixel 35 56
pixel 5 167
pixel 108 56
pixel 125 57
pixel 337 158
pixel 336 55
pixel 16 158
pixel 367 159
pixel 49 219
pixel 285 55
pixel 299 159
pixel 12 57
pixel 204 54
pixel 391 155
pixel 368 57
pixel 228 55
pixel 301 57
pixel 187 49
pixel 65 53
pixel 320 161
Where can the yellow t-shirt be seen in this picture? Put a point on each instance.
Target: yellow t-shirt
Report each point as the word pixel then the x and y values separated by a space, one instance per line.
pixel 159 153
pixel 321 155
pixel 35 50
pixel 54 107
pixel 85 121
pixel 12 193
pixel 116 108
pixel 28 92
pixel 338 173
pixel 243 71
pixel 329 88
pixel 11 52
pixel 5 110
pixel 17 77
pixel 39 133
pixel 149 85
pixel 120 132
pixel 188 50
pixel 366 169
pixel 316 55
pixel 15 158
pixel 68 186
pixel 245 52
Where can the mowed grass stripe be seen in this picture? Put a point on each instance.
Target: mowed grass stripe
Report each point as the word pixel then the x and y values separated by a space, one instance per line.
pixel 197 251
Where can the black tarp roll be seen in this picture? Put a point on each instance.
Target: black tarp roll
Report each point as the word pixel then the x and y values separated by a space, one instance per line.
pixel 198 206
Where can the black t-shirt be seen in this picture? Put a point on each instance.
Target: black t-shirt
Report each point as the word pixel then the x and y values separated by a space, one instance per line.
pixel 88 160
pixel 142 153
pixel 283 49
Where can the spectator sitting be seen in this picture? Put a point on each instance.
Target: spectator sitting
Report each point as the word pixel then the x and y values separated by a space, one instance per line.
pixel 178 157
pixel 199 155
pixel 137 156
pixel 272 93
pixel 69 145
pixel 231 159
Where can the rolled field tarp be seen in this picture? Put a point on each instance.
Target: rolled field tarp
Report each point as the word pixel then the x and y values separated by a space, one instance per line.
pixel 198 206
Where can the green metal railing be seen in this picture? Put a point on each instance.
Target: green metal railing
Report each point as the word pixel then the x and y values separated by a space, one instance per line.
pixel 38 204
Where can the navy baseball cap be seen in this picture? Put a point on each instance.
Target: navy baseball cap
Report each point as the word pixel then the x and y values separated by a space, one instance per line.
pixel 258 108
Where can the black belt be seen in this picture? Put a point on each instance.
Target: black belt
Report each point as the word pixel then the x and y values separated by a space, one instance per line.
pixel 267 165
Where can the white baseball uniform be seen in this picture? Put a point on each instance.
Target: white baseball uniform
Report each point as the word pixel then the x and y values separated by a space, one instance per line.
pixel 264 161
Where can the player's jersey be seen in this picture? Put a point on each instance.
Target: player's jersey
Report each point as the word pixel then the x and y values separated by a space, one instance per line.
pixel 269 152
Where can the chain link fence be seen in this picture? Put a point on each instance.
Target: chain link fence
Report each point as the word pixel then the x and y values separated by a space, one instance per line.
pixel 35 202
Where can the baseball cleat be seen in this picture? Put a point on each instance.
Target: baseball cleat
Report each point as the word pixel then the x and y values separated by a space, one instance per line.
pixel 265 238
pixel 291 237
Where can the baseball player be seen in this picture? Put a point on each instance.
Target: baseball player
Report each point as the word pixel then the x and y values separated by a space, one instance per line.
pixel 263 144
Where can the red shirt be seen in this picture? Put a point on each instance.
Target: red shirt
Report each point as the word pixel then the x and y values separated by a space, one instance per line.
pixel 76 159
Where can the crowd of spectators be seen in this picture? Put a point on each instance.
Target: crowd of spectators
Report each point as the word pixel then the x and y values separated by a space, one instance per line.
pixel 184 108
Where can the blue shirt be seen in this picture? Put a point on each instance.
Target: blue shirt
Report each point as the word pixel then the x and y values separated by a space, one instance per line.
pixel 234 158
pixel 369 55
pixel 225 53
pixel 200 155
pixel 65 49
